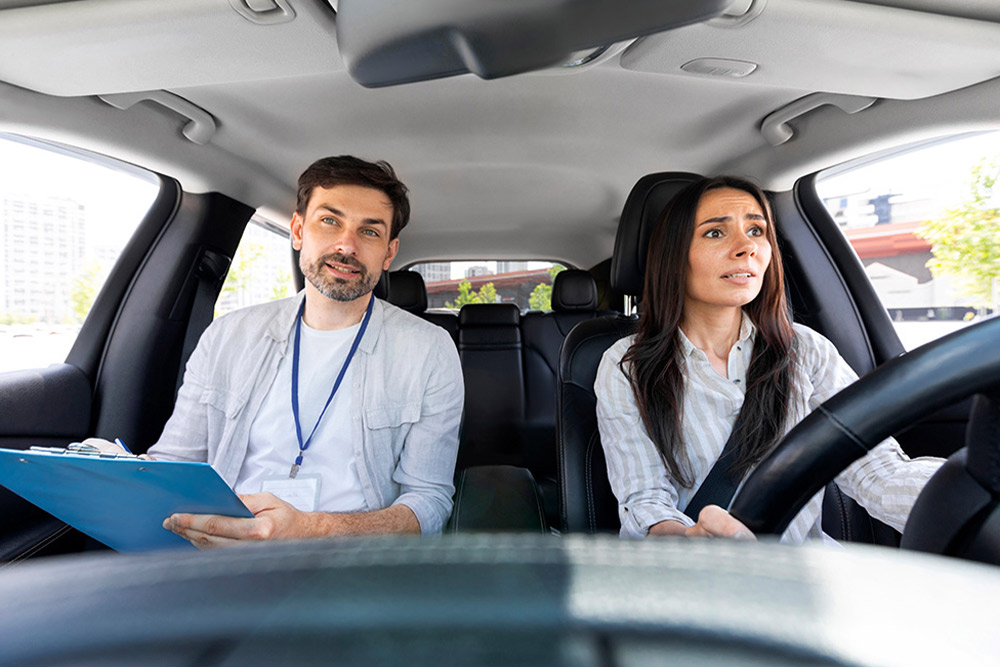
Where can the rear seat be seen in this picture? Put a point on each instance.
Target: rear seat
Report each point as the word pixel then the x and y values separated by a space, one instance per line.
pixel 407 290
pixel 510 366
pixel 489 344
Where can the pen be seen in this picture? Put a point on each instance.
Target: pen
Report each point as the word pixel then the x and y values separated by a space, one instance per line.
pixel 121 444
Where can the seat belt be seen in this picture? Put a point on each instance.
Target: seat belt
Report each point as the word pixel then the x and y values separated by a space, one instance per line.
pixel 210 270
pixel 718 487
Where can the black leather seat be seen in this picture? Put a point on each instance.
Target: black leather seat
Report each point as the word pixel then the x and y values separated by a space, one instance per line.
pixel 587 503
pixel 406 290
pixel 489 344
pixel 574 300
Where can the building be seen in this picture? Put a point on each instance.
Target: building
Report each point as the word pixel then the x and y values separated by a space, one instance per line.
pixel 43 243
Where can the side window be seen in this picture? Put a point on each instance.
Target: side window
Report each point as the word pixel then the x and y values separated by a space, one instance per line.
pixel 65 216
pixel 925 222
pixel 261 268
pixel 451 285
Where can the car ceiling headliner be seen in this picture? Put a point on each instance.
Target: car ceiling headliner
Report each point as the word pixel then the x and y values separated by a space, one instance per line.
pixel 543 159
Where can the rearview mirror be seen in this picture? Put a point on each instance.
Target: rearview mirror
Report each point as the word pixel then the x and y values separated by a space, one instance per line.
pixel 387 42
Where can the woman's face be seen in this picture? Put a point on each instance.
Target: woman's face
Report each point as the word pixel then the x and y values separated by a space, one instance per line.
pixel 729 251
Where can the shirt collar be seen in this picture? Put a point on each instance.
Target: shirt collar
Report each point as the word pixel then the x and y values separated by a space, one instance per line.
pixel 280 327
pixel 748 332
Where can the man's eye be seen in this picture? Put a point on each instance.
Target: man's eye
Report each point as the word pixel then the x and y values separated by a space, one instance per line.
pixel 371 232
pixel 328 221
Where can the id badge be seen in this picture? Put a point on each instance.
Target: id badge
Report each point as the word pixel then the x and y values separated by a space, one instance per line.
pixel 302 492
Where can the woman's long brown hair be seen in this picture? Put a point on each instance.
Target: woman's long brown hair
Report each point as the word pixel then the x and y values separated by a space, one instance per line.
pixel 654 364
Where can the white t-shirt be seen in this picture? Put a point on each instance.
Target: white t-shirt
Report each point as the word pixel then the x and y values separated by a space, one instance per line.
pixel 331 454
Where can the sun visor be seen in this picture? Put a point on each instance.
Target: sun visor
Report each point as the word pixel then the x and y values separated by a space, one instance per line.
pixel 852 48
pixel 387 42
pixel 95 47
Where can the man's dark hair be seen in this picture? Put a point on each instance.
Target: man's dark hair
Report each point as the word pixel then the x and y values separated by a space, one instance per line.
pixel 349 170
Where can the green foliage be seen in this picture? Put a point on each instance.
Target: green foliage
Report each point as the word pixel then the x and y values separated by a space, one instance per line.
pixel 282 285
pixel 965 243
pixel 84 290
pixel 17 318
pixel 541 296
pixel 487 294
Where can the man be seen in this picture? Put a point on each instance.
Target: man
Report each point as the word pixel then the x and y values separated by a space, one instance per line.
pixel 331 413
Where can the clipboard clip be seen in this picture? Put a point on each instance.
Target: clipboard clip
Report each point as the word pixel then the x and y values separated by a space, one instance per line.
pixel 83 449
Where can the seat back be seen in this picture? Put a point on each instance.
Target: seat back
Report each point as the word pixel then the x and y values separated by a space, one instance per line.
pixel 489 345
pixel 587 503
pixel 406 290
pixel 574 300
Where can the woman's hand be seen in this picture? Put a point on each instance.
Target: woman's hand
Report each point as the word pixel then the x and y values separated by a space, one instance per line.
pixel 713 521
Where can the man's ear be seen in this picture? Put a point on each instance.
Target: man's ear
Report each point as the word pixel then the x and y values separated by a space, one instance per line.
pixel 296 230
pixel 390 253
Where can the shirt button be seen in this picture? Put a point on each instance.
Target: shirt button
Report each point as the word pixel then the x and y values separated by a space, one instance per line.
pixel 736 381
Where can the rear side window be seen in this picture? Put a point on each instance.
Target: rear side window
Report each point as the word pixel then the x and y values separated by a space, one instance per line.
pixel 65 216
pixel 451 285
pixel 260 270
pixel 925 222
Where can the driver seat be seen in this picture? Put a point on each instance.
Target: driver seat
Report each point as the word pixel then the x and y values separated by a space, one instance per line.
pixel 586 501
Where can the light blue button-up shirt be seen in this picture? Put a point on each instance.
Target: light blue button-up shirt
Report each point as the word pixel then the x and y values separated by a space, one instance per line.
pixel 406 408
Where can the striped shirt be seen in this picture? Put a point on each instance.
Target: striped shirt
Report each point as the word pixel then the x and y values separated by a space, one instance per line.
pixel 885 481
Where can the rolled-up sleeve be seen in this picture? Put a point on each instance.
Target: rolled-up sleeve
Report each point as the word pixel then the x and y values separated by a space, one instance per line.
pixel 426 467
pixel 645 491
pixel 886 482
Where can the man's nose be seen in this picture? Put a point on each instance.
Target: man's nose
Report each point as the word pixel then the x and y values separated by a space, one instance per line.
pixel 347 242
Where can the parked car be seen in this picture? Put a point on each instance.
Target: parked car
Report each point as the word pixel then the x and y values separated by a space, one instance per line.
pixel 148 151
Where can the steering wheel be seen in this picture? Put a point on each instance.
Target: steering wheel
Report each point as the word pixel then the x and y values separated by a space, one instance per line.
pixel 957 510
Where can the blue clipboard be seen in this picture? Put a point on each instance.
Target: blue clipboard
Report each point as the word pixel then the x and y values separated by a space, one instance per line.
pixel 119 501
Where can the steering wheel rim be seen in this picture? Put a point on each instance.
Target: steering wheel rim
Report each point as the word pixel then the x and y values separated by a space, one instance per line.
pixel 852 422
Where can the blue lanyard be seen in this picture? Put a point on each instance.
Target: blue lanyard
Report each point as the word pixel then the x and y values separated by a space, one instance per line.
pixel 303 446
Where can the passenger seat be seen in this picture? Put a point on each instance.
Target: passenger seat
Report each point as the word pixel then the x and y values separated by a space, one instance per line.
pixel 574 300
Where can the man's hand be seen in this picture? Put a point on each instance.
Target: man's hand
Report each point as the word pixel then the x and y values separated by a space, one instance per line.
pixel 713 521
pixel 274 519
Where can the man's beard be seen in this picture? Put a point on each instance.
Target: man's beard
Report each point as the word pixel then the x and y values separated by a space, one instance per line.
pixel 339 289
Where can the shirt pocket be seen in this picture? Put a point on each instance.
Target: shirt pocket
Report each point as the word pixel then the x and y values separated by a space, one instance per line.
pixel 387 427
pixel 227 403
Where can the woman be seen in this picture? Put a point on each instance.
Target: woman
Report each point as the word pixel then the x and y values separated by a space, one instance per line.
pixel 716 340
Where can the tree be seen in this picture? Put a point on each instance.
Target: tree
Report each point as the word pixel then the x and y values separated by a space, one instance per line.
pixel 84 290
pixel 240 275
pixel 541 296
pixel 965 242
pixel 487 294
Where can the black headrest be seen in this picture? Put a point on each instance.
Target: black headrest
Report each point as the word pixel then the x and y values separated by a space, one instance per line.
pixel 489 315
pixel 573 291
pixel 407 290
pixel 642 209
pixel 381 290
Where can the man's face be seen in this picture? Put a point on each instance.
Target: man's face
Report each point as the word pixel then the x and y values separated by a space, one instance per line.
pixel 343 240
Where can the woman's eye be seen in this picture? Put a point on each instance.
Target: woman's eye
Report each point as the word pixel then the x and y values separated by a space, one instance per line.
pixel 713 234
pixel 756 231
